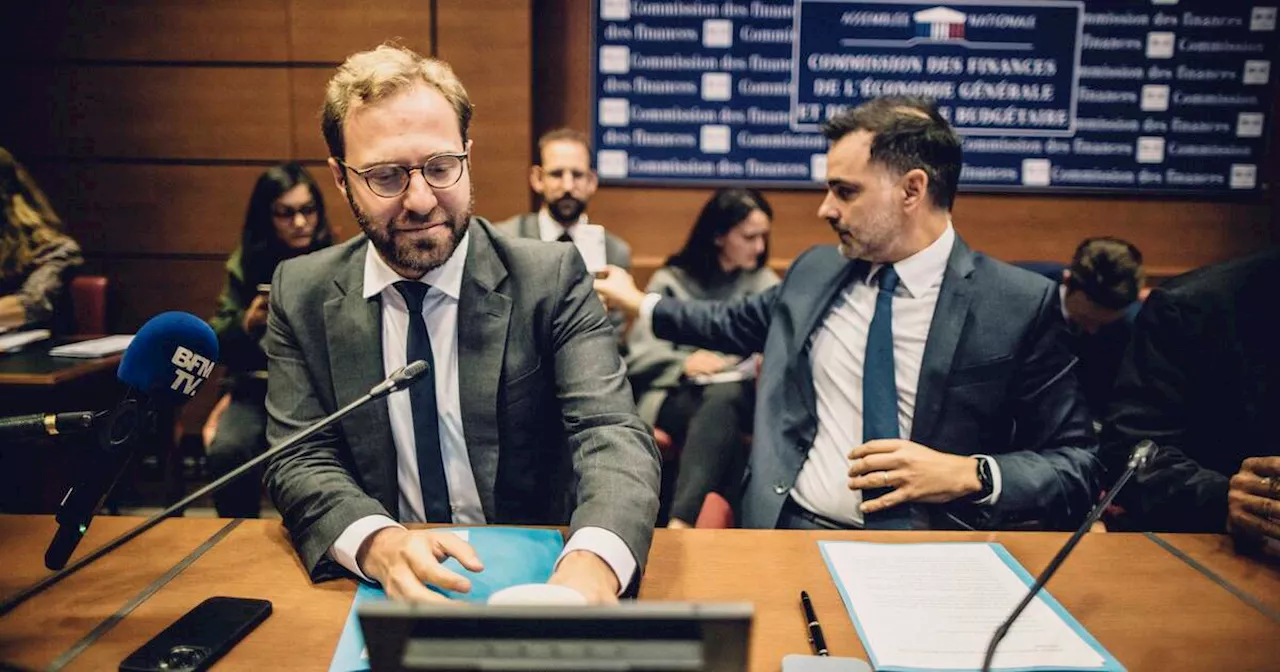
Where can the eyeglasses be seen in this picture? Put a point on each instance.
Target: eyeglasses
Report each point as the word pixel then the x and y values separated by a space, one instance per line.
pixel 286 212
pixel 389 180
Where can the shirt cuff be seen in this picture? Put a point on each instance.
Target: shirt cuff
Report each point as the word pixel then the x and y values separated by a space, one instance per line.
pixel 343 551
pixel 609 547
pixel 991 499
pixel 646 308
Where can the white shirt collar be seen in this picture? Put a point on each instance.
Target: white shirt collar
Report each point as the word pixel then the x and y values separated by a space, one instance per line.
pixel 549 229
pixel 446 277
pixel 925 268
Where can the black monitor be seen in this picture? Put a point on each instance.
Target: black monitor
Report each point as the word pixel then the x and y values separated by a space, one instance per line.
pixel 636 636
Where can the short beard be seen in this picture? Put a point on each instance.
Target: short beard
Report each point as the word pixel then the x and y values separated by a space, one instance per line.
pixel 419 256
pixel 879 235
pixel 566 210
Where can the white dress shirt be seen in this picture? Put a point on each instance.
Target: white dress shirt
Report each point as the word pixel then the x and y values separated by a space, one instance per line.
pixel 839 347
pixel 549 230
pixel 440 311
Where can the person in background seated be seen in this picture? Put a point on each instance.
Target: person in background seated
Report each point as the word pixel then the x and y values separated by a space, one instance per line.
pixel 725 258
pixel 285 219
pixel 1100 293
pixel 565 183
pixel 907 381
pixel 1201 379
pixel 35 254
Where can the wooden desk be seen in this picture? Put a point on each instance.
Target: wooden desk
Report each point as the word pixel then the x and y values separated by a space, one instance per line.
pixel 1151 610
pixel 33 366
pixel 1260 580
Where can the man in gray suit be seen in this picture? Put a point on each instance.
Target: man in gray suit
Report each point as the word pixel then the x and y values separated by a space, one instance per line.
pixel 908 382
pixel 541 429
pixel 565 182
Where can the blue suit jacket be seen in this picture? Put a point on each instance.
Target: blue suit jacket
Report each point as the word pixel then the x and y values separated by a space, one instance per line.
pixel 997 379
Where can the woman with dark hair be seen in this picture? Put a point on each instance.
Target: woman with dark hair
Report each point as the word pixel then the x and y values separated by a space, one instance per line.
pixel 35 254
pixel 285 219
pixel 725 258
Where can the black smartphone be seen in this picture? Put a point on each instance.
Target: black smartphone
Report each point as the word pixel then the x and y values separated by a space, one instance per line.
pixel 200 637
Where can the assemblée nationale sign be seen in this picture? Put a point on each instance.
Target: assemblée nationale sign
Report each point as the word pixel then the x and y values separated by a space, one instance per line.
pixel 1049 94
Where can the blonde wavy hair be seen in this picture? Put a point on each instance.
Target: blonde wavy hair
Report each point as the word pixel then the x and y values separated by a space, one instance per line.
pixel 370 76
pixel 29 220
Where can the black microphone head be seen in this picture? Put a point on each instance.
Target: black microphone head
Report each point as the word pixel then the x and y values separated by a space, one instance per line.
pixel 1143 453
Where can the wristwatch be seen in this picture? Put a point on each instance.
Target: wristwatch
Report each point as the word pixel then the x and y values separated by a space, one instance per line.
pixel 984 480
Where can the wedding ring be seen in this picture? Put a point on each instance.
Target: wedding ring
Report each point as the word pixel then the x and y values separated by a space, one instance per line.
pixel 884 476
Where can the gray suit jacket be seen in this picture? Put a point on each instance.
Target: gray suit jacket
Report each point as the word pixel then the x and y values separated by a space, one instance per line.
pixel 550 425
pixel 996 379
pixel 616 250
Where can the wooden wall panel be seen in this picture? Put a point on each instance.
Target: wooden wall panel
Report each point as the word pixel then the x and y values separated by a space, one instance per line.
pixel 326 31
pixel 144 287
pixel 488 43
pixel 156 209
pixel 306 97
pixel 151 112
pixel 148 30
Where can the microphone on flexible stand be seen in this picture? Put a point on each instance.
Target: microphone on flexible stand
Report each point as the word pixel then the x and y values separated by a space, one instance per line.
pixel 164 366
pixel 1139 458
pixel 36 425
pixel 398 381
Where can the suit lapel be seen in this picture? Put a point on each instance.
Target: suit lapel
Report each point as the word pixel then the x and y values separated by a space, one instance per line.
pixel 483 316
pixel 949 319
pixel 808 311
pixel 352 325
pixel 529 226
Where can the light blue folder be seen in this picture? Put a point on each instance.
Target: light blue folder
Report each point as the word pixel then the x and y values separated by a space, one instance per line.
pixel 511 556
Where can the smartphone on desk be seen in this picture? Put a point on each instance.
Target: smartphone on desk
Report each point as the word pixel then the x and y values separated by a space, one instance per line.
pixel 198 639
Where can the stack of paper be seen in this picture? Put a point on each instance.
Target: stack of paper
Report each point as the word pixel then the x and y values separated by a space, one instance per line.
pixel 935 607
pixel 17 339
pixel 97 347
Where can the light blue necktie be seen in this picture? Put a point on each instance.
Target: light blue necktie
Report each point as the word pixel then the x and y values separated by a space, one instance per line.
pixel 880 395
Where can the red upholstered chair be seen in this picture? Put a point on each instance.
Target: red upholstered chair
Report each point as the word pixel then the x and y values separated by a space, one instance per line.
pixel 715 514
pixel 89 303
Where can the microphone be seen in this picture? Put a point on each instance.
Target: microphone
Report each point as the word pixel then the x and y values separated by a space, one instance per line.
pixel 1139 458
pixel 397 381
pixel 164 366
pixel 35 425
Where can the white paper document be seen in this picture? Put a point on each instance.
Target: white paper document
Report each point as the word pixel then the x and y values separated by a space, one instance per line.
pixel 590 241
pixel 935 607
pixel 17 339
pixel 97 347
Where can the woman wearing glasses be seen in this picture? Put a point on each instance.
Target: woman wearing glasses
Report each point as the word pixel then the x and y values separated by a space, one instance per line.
pixel 285 219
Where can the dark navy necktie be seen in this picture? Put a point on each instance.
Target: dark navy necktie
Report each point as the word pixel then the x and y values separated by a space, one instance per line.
pixel 565 238
pixel 880 395
pixel 426 417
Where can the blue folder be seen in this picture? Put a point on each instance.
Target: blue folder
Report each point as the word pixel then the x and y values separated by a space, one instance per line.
pixel 511 556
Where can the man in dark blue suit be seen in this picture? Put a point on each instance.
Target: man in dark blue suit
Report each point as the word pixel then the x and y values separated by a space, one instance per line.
pixel 908 382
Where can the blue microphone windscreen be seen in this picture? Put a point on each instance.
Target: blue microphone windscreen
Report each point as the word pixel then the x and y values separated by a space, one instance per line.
pixel 170 357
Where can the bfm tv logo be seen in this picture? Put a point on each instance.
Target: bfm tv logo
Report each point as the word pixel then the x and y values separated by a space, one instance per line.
pixel 192 370
pixel 939 23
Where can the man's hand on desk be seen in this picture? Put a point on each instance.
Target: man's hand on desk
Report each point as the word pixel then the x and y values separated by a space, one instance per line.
pixel 915 473
pixel 617 289
pixel 403 560
pixel 1253 502
pixel 588 574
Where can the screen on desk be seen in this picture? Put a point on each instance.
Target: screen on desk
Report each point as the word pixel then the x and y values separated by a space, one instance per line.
pixel 632 636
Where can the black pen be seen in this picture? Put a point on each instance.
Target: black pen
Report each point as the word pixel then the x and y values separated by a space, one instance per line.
pixel 815 629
